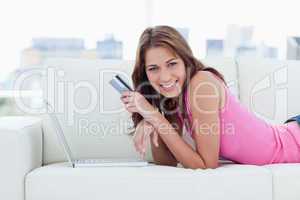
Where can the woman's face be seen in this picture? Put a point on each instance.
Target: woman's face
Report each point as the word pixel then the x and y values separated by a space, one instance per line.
pixel 165 71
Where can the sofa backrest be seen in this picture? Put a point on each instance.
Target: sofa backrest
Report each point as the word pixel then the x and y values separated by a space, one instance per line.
pixel 89 109
pixel 99 130
pixel 269 88
pixel 228 68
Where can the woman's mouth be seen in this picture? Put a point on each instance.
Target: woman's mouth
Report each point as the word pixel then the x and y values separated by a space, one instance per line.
pixel 169 86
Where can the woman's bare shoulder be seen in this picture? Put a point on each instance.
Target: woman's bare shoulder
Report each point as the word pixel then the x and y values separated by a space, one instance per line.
pixel 205 77
pixel 206 83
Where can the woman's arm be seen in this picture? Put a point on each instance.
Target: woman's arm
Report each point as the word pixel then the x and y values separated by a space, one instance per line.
pixel 178 147
pixel 204 105
pixel 160 152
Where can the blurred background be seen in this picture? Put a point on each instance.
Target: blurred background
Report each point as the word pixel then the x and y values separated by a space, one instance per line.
pixel 34 30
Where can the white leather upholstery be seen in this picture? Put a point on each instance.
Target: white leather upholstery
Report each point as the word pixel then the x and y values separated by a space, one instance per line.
pixel 99 132
pixel 270 88
pixel 20 152
pixel 286 178
pixel 228 68
pixel 234 182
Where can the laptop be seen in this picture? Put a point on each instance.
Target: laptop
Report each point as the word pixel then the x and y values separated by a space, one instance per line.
pixel 115 162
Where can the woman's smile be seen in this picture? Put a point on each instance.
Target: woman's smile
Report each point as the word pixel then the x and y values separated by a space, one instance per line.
pixel 169 86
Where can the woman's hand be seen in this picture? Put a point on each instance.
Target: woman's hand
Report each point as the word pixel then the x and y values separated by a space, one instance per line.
pixel 136 102
pixel 141 136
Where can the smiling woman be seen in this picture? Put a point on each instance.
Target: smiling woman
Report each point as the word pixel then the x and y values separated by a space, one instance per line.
pixel 171 84
pixel 164 67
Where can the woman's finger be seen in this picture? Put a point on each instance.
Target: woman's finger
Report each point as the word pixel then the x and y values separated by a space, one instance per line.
pixel 127 98
pixel 135 143
pixel 127 101
pixel 126 94
pixel 141 142
pixel 155 138
pixel 131 109
pixel 145 143
pixel 137 138
pixel 145 139
pixel 129 104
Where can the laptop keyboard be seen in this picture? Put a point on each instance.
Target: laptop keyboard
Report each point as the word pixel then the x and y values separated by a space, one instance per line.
pixel 92 161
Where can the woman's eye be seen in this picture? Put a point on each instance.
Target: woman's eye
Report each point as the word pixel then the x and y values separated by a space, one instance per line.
pixel 152 69
pixel 172 64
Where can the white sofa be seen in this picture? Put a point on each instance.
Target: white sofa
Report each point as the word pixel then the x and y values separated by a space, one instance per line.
pixel 34 167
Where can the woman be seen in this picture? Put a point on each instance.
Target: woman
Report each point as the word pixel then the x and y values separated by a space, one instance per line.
pixel 173 89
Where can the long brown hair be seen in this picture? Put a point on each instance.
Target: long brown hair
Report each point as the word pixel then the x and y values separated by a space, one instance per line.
pixel 170 38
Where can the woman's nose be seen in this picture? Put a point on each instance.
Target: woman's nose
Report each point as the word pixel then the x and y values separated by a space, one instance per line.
pixel 165 76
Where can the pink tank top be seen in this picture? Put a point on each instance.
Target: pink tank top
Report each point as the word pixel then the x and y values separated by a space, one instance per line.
pixel 247 139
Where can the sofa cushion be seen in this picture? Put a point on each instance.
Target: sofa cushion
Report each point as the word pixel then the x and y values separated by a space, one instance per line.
pixel 286 178
pixel 234 182
pixel 20 152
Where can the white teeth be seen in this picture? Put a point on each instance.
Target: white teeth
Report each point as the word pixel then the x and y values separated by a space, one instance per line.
pixel 169 85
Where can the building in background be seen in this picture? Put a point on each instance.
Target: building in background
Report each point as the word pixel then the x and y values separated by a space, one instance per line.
pixel 43 48
pixel 266 51
pixel 246 51
pixel 238 41
pixel 256 51
pixel 293 48
pixel 214 48
pixel 184 32
pixel 109 48
pixel 58 44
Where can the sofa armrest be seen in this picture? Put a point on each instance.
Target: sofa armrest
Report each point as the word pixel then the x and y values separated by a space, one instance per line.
pixel 20 152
